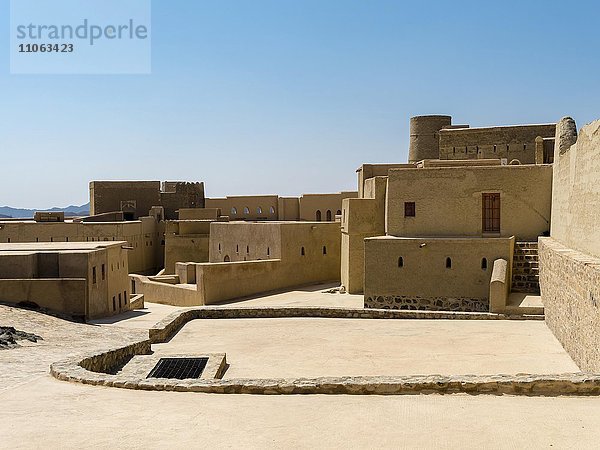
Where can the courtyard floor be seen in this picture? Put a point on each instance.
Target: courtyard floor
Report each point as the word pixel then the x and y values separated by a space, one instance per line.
pixel 39 411
pixel 312 347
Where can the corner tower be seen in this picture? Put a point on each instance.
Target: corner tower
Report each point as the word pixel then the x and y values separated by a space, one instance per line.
pixel 424 137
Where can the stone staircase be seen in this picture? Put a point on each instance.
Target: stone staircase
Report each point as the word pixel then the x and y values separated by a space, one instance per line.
pixel 526 268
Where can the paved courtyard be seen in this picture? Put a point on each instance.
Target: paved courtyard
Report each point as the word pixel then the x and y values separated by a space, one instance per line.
pixel 41 412
pixel 312 347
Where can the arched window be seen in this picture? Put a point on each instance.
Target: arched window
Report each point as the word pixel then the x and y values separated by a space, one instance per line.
pixel 448 263
pixel 328 215
pixel 324 250
pixel 338 213
pixel 246 210
pixel 302 251
pixel 272 210
pixel 233 211
pixel 318 215
pixel 484 264
pixel 226 259
pixel 401 262
pixel 259 210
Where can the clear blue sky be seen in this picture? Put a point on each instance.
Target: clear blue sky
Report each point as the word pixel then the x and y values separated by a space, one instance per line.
pixel 291 96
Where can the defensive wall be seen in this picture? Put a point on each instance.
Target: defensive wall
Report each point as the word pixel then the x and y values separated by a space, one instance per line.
pixel 570 258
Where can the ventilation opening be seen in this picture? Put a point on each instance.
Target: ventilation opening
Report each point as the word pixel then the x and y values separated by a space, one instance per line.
pixel 401 262
pixel 448 263
pixel 178 368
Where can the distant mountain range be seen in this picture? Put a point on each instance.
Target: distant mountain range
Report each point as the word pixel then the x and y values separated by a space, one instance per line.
pixel 7 212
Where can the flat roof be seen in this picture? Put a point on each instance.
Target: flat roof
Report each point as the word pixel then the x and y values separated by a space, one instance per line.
pixel 529 125
pixel 58 246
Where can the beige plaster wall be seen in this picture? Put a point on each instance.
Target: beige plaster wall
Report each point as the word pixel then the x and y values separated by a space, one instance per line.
pixel 288 208
pixel 224 281
pixel 186 241
pixel 241 241
pixel 198 213
pixel 361 218
pixel 449 200
pixel 167 294
pixel 258 207
pixel 66 295
pixel 367 171
pixel 313 206
pixel 424 273
pixel 511 142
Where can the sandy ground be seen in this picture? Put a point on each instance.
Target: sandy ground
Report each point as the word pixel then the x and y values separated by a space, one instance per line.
pixel 38 411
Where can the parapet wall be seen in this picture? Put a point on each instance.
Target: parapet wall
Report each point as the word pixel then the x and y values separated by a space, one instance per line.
pixel 510 142
pixel 576 191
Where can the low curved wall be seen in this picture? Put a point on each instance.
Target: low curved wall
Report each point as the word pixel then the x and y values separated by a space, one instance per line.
pixel 97 368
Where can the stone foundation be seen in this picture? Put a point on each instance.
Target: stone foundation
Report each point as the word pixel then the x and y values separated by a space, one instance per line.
pixel 428 304
pixel 570 285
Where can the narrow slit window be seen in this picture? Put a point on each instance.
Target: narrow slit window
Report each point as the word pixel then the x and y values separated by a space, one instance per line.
pixel 324 250
pixel 401 262
pixel 448 263
pixel 302 252
pixel 484 264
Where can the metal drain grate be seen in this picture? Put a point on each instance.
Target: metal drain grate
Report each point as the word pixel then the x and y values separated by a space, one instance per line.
pixel 178 368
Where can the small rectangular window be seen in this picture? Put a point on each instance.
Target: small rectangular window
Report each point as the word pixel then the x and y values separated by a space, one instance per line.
pixel 103 272
pixel 94 275
pixel 409 209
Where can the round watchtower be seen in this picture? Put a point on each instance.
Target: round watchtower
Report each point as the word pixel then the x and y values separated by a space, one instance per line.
pixel 424 137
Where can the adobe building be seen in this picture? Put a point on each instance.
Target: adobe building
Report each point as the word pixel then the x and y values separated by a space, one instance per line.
pixel 187 239
pixel 83 279
pixel 308 207
pixel 247 258
pixel 144 236
pixel 429 234
pixel 136 198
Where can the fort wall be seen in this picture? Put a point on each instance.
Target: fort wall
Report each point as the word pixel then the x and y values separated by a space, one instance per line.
pixel 570 258
pixel 510 142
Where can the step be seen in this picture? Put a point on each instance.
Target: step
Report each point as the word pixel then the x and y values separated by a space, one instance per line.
pixel 524 303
